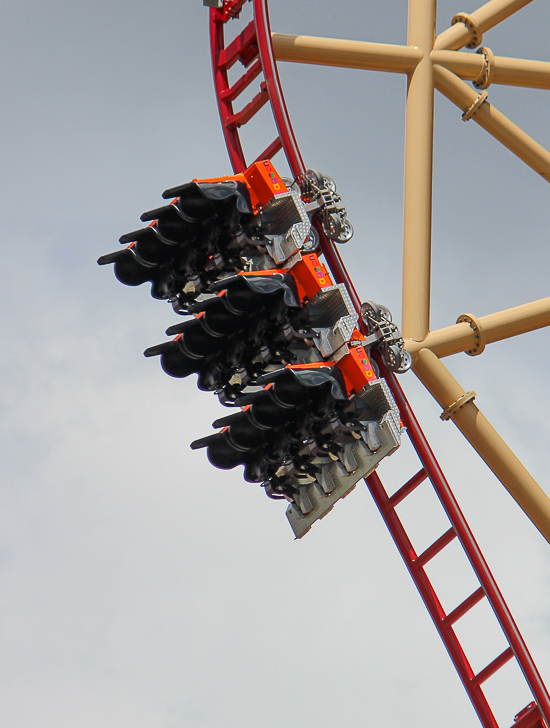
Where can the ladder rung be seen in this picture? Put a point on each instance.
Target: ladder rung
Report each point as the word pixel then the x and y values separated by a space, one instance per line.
pixel 435 548
pixel 404 491
pixel 230 94
pixel 493 666
pixel 246 113
pixel 466 605
pixel 271 150
pixel 243 48
pixel 529 717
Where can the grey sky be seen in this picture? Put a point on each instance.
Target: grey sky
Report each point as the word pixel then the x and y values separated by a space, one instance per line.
pixel 140 587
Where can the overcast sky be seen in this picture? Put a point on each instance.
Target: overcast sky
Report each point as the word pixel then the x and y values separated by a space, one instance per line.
pixel 140 587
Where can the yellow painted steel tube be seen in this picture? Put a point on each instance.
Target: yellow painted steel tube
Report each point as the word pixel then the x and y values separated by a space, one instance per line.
pixel 417 224
pixel 517 320
pixel 345 53
pixel 493 121
pixel 485 440
pixel 445 341
pixel 506 71
pixel 484 18
pixel 493 327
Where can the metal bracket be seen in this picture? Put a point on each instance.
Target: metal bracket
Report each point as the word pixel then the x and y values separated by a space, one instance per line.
pixel 477 35
pixel 485 78
pixel 457 405
pixel 471 110
pixel 321 198
pixel 389 341
pixel 226 8
pixel 474 323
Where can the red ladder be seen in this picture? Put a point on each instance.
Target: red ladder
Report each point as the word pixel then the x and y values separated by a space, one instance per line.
pixel 243 49
pixel 252 48
pixel 537 712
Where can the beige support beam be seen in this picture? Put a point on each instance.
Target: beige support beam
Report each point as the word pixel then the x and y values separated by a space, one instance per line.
pixel 470 26
pixel 506 71
pixel 345 53
pixel 517 320
pixel 460 408
pixel 446 341
pixel 472 336
pixel 417 224
pixel 474 106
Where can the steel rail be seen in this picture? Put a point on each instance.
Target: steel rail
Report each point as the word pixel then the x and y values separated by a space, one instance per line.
pixel 430 465
pixel 471 548
pixel 280 112
pixel 222 87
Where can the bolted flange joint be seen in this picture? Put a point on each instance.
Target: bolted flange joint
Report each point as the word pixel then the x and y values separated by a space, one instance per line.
pixel 485 78
pixel 475 325
pixel 458 404
pixel 471 110
pixel 476 36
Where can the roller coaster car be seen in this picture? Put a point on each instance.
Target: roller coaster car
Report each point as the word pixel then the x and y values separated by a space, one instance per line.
pixel 269 332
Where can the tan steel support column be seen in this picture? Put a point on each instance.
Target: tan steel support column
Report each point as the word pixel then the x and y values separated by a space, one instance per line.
pixel 417 234
pixel 485 440
pixel 491 328
pixel 498 125
pixel 507 71
pixel 484 18
pixel 345 53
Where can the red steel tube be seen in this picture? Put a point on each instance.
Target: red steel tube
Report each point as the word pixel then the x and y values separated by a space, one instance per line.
pixel 429 462
pixel 280 112
pixel 221 85
pixel 433 605
pixel 472 549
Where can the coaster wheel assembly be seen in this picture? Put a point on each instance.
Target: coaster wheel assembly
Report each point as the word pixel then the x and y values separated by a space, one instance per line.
pixel 252 51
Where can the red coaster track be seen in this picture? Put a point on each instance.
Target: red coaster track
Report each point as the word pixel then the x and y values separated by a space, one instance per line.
pixel 252 48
